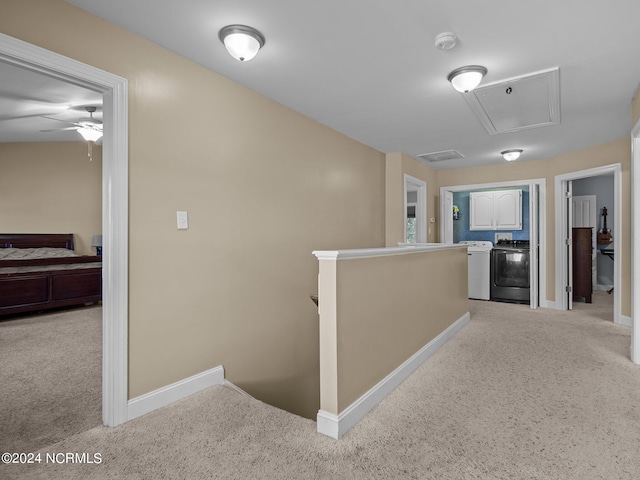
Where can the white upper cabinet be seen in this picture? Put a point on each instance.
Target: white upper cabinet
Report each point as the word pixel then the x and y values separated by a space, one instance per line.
pixel 481 205
pixel 496 210
pixel 508 209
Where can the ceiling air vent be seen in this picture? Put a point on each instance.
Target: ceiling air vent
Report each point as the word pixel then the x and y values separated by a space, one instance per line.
pixel 519 103
pixel 440 156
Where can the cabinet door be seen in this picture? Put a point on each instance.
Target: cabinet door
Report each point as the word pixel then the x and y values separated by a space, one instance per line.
pixel 481 215
pixel 508 209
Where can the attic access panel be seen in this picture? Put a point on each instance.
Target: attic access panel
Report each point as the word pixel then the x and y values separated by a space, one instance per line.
pixel 529 101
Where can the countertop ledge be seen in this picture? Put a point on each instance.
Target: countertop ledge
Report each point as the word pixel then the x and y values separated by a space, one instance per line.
pixel 403 249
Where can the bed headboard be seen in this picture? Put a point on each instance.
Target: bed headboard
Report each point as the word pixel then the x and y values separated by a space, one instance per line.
pixel 35 240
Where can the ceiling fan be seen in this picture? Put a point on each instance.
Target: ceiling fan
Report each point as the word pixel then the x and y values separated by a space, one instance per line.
pixel 88 127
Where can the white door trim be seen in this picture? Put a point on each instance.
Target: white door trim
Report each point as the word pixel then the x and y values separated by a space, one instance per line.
pixel 561 219
pixel 533 235
pixel 115 206
pixel 567 236
pixel 421 209
pixel 635 229
pixel 446 216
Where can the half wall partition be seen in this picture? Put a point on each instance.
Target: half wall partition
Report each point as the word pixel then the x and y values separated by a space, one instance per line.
pixel 383 312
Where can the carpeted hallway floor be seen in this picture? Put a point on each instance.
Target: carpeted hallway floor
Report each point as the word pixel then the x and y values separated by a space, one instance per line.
pixel 516 394
pixel 51 377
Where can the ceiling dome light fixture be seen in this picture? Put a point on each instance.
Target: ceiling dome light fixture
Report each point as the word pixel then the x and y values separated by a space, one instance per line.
pixel 242 42
pixel 90 134
pixel 90 128
pixel 465 79
pixel 511 155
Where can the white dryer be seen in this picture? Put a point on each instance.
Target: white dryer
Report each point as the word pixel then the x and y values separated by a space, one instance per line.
pixel 479 255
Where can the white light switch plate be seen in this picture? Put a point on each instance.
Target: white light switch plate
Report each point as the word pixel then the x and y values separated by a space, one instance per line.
pixel 183 221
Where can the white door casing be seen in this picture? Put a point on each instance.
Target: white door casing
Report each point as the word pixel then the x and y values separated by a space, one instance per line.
pixel 446 217
pixel 635 257
pixel 533 246
pixel 568 242
pixel 419 186
pixel 562 225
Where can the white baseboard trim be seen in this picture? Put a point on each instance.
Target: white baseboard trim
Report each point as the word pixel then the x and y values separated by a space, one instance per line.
pixel 335 426
pixel 548 304
pixel 164 396
pixel 625 321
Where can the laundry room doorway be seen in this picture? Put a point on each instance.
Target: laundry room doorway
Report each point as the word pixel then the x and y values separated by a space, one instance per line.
pixel 533 224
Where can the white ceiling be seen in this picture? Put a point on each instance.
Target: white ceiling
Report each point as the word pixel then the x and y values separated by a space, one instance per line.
pixel 369 68
pixel 27 97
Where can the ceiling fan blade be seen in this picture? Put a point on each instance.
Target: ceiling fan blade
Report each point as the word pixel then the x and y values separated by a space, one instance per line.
pixel 4 118
pixel 63 121
pixel 58 129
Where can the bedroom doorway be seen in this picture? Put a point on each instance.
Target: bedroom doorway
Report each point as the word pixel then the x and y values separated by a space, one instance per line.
pixel 564 212
pixel 114 207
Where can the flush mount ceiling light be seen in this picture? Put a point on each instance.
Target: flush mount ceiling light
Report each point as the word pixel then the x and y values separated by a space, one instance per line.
pixel 465 79
pixel 242 42
pixel 511 155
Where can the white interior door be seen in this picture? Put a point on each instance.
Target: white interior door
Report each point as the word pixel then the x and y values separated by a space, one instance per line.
pixel 568 243
pixel 635 256
pixel 533 246
pixel 585 215
pixel 447 217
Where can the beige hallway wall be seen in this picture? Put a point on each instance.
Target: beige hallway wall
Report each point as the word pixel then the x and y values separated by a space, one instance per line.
pixel 263 187
pixel 51 187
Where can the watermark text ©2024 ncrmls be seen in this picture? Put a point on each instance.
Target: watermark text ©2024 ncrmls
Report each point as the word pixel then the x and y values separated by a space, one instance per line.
pixel 53 457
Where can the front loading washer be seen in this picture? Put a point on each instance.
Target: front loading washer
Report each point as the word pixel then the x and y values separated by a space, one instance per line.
pixel 479 255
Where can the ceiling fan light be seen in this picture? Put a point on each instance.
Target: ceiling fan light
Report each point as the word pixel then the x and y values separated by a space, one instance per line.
pixel 242 42
pixel 465 79
pixel 511 155
pixel 90 134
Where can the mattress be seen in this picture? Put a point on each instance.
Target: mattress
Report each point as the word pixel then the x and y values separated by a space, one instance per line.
pixel 35 253
pixel 25 254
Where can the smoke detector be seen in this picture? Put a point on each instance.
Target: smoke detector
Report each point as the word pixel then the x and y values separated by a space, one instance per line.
pixel 445 40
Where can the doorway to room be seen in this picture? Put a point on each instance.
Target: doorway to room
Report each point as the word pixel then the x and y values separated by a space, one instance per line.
pixel 534 225
pixel 114 207
pixel 576 213
pixel 415 210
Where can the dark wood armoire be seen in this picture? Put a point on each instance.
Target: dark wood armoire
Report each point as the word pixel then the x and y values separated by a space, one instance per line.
pixel 581 254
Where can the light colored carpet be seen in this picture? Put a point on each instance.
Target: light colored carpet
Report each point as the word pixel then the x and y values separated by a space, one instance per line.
pixel 50 377
pixel 516 394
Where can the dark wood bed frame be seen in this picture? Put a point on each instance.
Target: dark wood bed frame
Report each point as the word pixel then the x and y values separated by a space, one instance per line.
pixel 34 291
